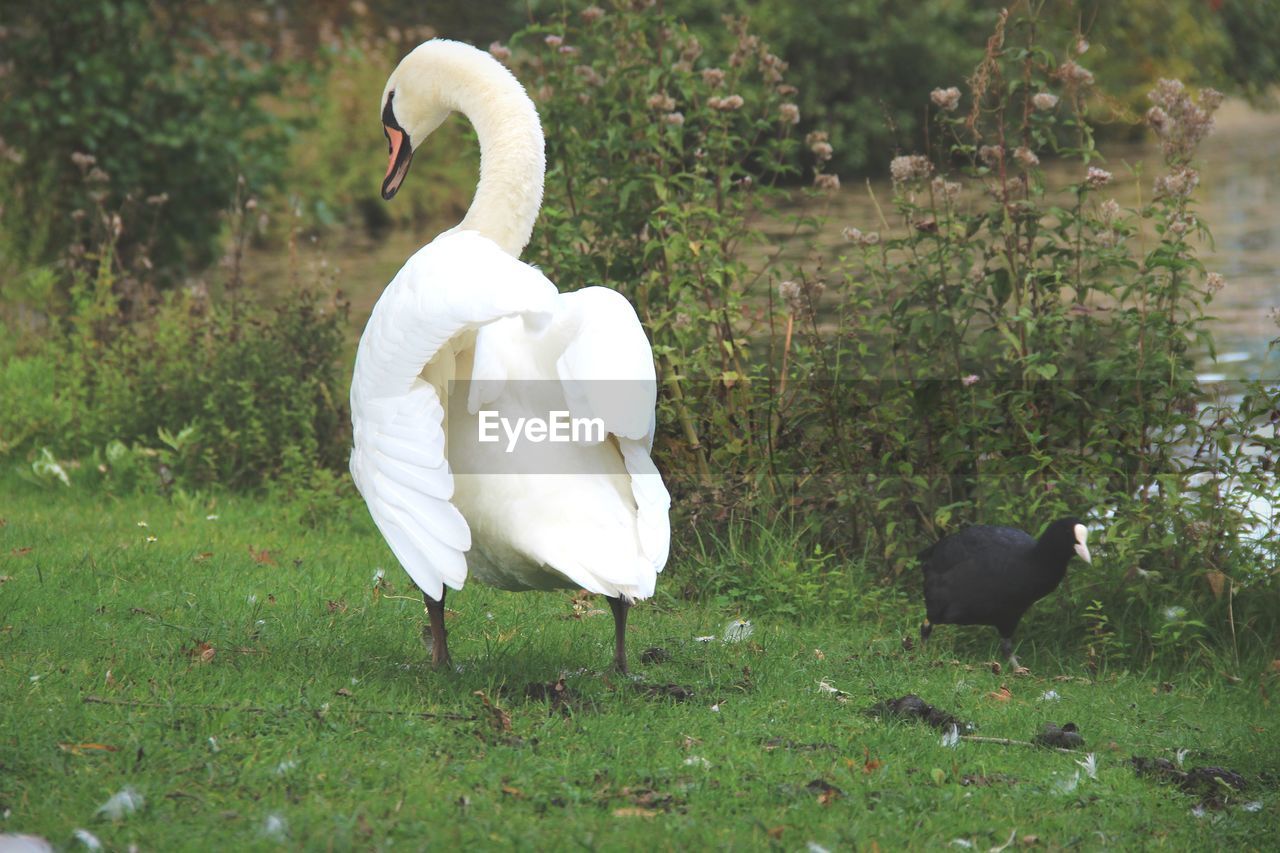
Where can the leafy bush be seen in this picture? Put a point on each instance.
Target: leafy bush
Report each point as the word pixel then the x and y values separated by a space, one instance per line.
pixel 1007 351
pixel 235 394
pixel 161 108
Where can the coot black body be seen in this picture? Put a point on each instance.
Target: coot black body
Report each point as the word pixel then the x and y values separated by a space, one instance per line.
pixel 986 575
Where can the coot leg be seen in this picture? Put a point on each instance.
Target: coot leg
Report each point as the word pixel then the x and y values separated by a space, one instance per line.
pixel 619 606
pixel 438 642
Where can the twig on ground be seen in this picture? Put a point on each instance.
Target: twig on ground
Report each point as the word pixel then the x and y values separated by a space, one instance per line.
pixel 1004 741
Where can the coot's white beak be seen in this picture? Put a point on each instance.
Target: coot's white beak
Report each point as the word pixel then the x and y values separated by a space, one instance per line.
pixel 1082 536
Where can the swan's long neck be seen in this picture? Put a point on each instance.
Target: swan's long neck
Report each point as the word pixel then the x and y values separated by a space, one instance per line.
pixel 512 165
pixel 512 160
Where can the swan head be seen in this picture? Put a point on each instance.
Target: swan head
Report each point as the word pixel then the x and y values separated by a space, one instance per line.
pixel 412 107
pixel 439 77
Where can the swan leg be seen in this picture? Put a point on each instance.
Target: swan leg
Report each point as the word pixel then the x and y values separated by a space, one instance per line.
pixel 619 606
pixel 435 622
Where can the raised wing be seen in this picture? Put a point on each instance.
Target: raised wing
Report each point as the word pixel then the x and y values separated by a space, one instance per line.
pixel 607 372
pixel 455 285
pixel 606 367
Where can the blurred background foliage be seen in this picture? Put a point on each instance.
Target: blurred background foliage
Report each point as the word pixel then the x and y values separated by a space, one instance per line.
pixel 181 99
pixel 146 146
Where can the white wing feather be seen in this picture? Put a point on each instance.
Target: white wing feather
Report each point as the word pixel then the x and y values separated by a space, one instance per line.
pixel 607 372
pixel 458 283
pixel 607 366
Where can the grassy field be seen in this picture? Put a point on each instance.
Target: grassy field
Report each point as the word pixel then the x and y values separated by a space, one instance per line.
pixel 248 680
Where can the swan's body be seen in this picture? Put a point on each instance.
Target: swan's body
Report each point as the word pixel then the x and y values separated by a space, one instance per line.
pixel 466 328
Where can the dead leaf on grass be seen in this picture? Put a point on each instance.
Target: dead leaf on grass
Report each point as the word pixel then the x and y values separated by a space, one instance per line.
pixel 634 811
pixel 261 556
pixel 499 720
pixel 1001 695
pixel 339 606
pixel 202 556
pixel 342 691
pixel 827 793
pixel 511 791
pixel 19 552
pixel 202 652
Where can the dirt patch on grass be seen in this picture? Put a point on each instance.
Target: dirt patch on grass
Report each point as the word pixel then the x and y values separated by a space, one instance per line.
pixel 559 697
pixel 670 690
pixel 912 707
pixel 1215 786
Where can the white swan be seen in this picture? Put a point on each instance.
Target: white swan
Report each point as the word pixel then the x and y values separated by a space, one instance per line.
pixel 465 328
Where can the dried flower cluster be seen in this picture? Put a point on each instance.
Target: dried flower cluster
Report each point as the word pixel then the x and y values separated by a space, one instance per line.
pixel 789 113
pixel 1182 223
pixel 661 102
pixel 589 75
pixel 800 295
pixel 748 44
pixel 591 14
pixel 1026 156
pixel 910 167
pixel 727 103
pixel 826 181
pixel 771 68
pixel 11 154
pixel 1074 74
pixel 946 99
pixel 991 155
pixel 712 76
pixel 791 294
pixel 1180 183
pixel 856 235
pixel 1214 282
pixel 1044 101
pixel 1097 178
pixel 948 191
pixel 1109 212
pixel 1180 123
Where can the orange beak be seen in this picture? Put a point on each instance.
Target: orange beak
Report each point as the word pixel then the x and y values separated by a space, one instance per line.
pixel 398 166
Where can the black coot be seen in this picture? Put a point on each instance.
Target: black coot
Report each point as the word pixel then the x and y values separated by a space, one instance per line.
pixel 990 575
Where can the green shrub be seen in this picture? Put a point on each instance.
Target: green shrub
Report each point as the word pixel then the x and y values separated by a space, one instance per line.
pixel 212 392
pixel 1006 350
pixel 150 105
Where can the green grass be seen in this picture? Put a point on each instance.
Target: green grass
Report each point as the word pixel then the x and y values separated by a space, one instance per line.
pixel 315 679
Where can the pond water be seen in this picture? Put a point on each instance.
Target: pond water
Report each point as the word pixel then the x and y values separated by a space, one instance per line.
pixel 1239 199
